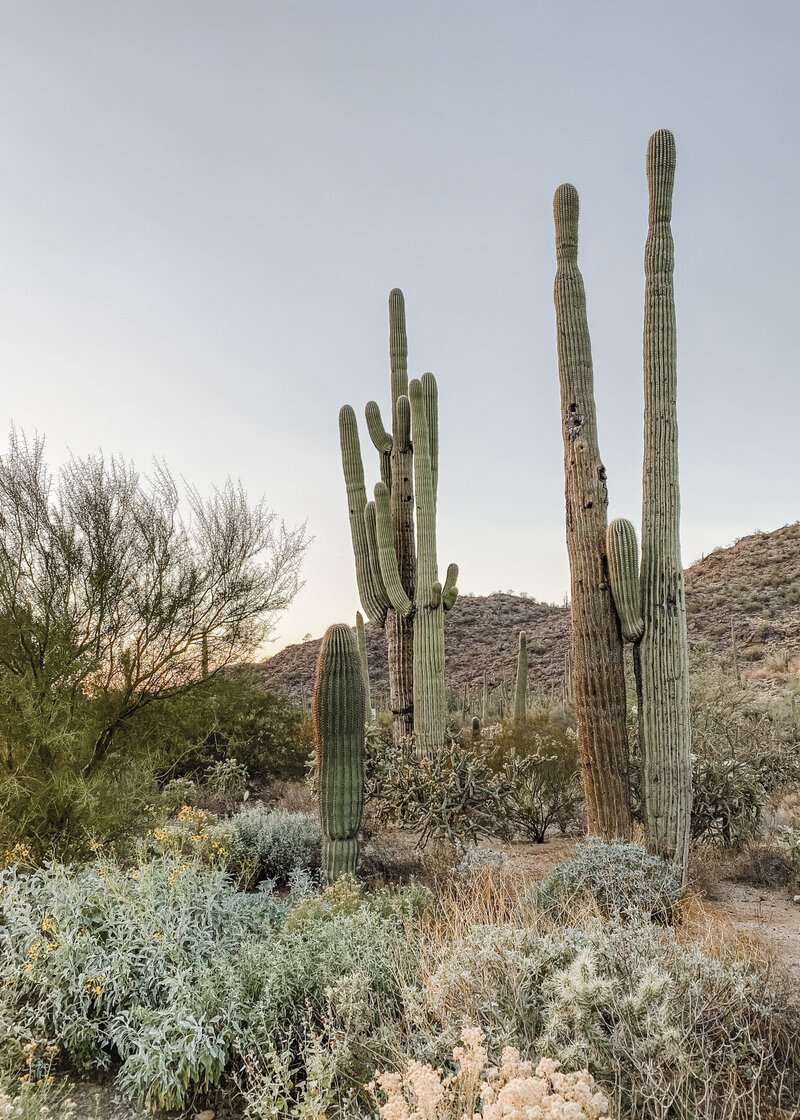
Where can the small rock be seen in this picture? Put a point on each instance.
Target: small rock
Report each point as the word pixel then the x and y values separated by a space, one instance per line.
pixel 206 1114
pixel 797 898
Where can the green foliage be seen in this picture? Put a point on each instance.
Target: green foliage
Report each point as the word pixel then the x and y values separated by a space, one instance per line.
pixel 452 798
pixel 229 716
pixel 744 756
pixel 271 843
pixel 727 803
pixel 112 603
pixel 539 766
pixel 617 877
pixel 348 897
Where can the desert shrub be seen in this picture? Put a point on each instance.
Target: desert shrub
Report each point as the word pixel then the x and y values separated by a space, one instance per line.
pixel 538 763
pixel 230 716
pixel 727 801
pixel 347 897
pixel 255 843
pixel 451 799
pixel 227 777
pixel 271 843
pixel 479 1091
pixel 617 877
pixel 744 756
pixel 103 960
pixel 668 1027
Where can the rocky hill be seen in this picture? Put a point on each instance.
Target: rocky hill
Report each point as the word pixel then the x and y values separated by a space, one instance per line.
pixel 752 588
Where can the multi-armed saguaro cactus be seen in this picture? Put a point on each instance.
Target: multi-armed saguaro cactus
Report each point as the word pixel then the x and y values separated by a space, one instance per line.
pixel 409 602
pixel 361 638
pixel 339 717
pixel 396 464
pixel 521 694
pixel 651 604
pixel 597 662
pixel 431 600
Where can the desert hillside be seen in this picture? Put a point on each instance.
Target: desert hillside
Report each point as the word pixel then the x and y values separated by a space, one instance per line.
pixel 755 583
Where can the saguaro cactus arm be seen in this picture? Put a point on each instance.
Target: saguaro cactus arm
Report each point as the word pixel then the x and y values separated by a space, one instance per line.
pixel 387 557
pixel 450 591
pixel 623 570
pixel 373 597
pixel 361 638
pixel 339 716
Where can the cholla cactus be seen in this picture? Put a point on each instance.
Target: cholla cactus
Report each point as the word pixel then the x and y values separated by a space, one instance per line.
pixel 339 719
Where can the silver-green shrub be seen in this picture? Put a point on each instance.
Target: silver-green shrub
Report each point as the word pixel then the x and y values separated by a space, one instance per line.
pixel 618 877
pixel 271 843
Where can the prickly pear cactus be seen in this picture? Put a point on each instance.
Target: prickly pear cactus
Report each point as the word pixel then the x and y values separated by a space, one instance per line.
pixel 339 718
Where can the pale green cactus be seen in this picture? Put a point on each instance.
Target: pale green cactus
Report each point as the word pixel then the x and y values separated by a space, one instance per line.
pixel 396 469
pixel 650 600
pixel 521 692
pixel 361 638
pixel 339 718
pixel 431 599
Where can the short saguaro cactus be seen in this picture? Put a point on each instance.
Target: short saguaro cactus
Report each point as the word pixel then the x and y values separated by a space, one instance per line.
pixel 339 719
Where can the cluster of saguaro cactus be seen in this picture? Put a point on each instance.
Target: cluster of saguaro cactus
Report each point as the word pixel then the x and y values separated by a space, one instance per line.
pixel 398 590
pixel 339 719
pixel 521 692
pixel 649 605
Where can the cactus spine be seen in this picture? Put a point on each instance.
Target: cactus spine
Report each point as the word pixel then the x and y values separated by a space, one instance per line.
pixel 597 662
pixel 339 717
pixel 521 694
pixel 396 467
pixel 361 638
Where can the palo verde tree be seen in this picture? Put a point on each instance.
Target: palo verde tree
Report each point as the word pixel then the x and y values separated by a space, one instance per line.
pixel 116 592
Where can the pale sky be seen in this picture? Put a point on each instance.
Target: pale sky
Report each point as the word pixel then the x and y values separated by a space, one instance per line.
pixel 204 205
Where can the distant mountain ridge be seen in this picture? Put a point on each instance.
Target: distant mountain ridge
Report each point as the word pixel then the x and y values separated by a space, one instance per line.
pixel 753 586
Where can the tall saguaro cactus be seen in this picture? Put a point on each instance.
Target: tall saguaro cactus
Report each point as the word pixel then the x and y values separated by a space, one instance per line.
pixel 339 718
pixel 397 589
pixel 431 599
pixel 521 693
pixel 396 467
pixel 665 729
pixel 597 662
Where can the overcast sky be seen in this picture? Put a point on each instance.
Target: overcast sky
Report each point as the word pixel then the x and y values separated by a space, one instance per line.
pixel 204 206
